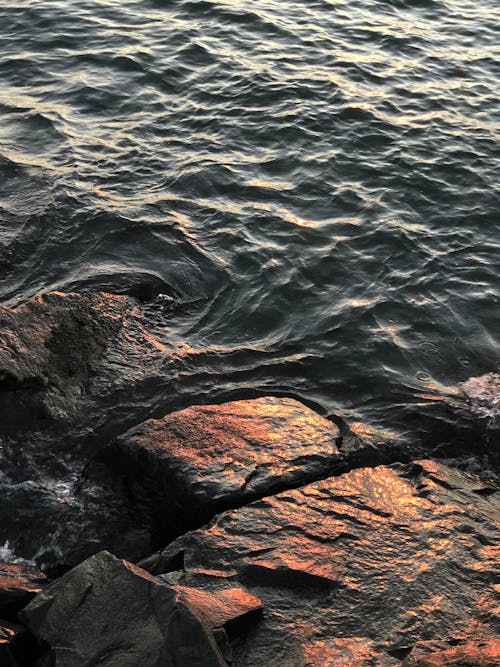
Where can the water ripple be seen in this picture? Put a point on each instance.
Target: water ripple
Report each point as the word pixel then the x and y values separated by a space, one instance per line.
pixel 319 179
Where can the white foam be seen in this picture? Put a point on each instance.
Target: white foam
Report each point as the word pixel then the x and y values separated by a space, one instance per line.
pixel 8 555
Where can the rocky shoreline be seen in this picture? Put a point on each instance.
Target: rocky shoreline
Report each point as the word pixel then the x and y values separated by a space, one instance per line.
pixel 252 532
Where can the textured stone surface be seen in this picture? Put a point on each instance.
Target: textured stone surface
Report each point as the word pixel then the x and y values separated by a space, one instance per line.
pixel 196 462
pixel 18 584
pixel 468 653
pixel 359 567
pixel 224 607
pixel 108 611
pixel 47 349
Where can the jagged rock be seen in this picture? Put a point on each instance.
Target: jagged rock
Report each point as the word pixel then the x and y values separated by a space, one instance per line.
pixel 109 611
pixel 359 567
pixel 18 584
pixel 193 463
pixel 222 608
pixel 228 612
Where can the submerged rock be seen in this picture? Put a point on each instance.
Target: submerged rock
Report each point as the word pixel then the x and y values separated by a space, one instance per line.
pixel 354 568
pixel 18 584
pixel 110 611
pixel 191 464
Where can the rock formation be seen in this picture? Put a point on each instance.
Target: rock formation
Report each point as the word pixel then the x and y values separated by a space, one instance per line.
pixel 358 567
pixel 194 463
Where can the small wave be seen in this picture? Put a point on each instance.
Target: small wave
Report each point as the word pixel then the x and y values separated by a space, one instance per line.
pixel 8 555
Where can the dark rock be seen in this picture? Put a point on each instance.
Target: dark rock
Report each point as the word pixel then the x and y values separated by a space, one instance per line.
pixel 107 611
pixel 18 648
pixel 191 464
pixel 18 584
pixel 47 349
pixel 352 570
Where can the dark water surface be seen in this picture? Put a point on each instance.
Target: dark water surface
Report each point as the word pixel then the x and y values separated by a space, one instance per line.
pixel 317 179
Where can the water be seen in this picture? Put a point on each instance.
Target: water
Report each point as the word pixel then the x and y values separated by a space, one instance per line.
pixel 317 179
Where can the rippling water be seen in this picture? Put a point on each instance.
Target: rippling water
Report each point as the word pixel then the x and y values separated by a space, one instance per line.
pixel 316 179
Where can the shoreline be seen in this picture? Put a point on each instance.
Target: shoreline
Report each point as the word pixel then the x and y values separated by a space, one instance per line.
pixel 176 483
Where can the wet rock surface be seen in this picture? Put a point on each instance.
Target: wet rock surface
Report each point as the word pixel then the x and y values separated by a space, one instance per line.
pixel 312 556
pixel 467 653
pixel 61 357
pixel 108 611
pixel 196 462
pixel 47 349
pixel 18 584
pixel 362 565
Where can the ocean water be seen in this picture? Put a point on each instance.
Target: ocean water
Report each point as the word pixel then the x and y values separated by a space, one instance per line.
pixel 318 180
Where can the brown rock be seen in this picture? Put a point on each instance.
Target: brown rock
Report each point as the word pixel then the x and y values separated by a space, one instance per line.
pixel 470 653
pixel 194 463
pixel 221 608
pixel 379 557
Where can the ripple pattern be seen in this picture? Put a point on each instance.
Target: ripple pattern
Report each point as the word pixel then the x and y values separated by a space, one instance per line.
pixel 319 178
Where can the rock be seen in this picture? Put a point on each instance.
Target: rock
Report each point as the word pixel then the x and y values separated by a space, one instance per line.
pixel 193 463
pixel 18 584
pixel 47 349
pixel 229 612
pixel 225 608
pixel 109 611
pixel 354 568
pixel 62 356
pixel 483 393
pixel 469 653
pixel 17 647
pixel 57 527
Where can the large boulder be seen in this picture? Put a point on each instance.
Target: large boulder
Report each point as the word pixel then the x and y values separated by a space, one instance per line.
pixel 18 584
pixel 108 611
pixel 186 467
pixel 354 569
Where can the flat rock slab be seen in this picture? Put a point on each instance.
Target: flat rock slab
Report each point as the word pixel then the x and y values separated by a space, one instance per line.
pixel 18 584
pixel 108 611
pixel 359 567
pixel 196 462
